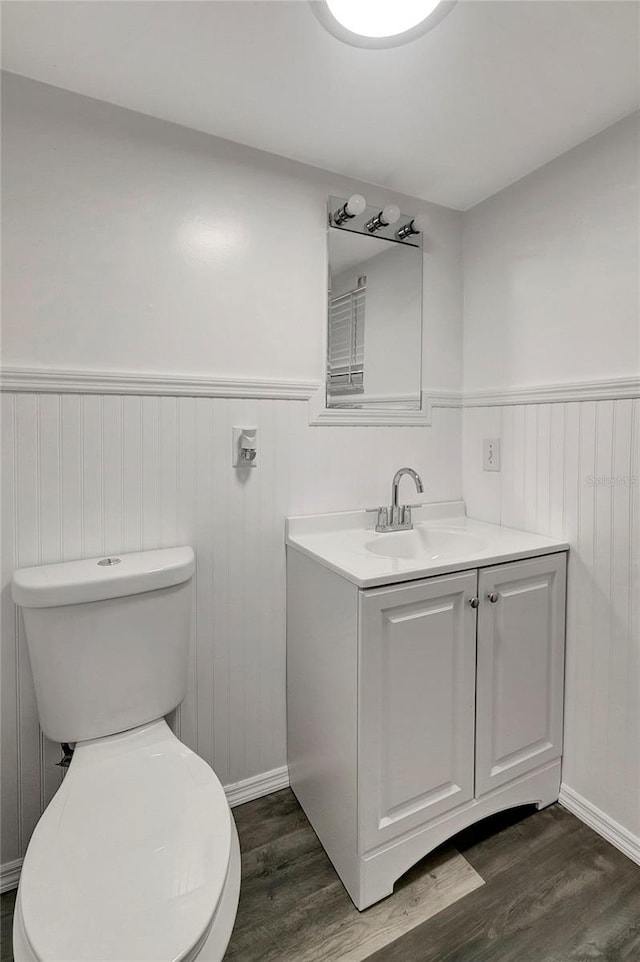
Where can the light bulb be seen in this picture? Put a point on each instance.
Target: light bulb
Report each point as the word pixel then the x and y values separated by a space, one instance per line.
pixel 356 205
pixel 390 214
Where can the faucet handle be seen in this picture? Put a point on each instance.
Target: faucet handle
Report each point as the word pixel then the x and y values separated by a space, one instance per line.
pixel 405 512
pixel 383 517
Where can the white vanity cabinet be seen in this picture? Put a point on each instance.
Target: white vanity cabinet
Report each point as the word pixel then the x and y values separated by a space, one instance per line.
pixel 416 718
pixel 415 709
pixel 520 669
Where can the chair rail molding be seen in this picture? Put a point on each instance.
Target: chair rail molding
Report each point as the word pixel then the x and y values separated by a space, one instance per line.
pixel 52 381
pixel 611 389
pixel 55 381
pixel 606 390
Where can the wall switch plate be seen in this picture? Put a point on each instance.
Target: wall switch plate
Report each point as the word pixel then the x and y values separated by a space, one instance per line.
pixel 491 454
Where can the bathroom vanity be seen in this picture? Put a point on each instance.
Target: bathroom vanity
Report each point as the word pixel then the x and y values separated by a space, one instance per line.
pixel 424 682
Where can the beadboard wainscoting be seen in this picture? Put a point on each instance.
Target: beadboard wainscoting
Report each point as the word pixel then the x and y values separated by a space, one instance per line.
pixel 572 471
pixel 92 474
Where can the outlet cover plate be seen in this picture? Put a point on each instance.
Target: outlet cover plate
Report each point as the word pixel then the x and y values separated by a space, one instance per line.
pixel 491 454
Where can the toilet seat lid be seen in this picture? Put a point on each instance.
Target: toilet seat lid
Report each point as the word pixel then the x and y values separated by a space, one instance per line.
pixel 130 858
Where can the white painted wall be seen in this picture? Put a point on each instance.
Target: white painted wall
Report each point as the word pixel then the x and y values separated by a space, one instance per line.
pixel 551 268
pixel 133 245
pixel 551 295
pixel 137 245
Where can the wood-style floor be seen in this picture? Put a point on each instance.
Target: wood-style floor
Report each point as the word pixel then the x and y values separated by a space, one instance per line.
pixel 553 891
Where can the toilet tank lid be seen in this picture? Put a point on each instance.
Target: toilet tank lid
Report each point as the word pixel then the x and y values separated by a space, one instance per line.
pixel 97 579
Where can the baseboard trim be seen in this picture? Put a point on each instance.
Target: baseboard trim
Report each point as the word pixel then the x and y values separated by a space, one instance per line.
pixel 10 875
pixel 601 823
pixel 51 381
pixel 257 786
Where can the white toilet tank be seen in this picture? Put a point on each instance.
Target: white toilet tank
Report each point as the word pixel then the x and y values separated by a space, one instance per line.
pixel 108 640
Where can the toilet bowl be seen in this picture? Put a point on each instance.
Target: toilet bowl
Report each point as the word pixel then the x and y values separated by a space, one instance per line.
pixel 136 858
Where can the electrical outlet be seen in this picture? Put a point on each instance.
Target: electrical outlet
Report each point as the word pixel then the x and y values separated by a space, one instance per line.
pixel 491 454
pixel 244 438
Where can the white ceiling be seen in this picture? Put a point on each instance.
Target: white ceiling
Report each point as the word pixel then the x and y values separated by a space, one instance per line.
pixel 494 91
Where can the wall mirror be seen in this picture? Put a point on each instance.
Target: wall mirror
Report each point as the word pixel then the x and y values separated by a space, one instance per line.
pixel 374 316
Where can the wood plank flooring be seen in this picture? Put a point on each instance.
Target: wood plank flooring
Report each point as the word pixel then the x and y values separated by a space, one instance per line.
pixel 294 907
pixel 7 902
pixel 553 891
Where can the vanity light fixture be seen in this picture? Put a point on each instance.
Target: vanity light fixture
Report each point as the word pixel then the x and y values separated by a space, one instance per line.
pixel 387 216
pixel 354 206
pixel 383 23
pixel 415 226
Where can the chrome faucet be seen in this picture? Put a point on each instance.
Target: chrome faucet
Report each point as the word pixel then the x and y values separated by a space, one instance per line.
pixel 398 516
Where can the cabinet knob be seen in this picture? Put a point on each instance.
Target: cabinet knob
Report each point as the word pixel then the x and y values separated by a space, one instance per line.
pixel 493 597
pixel 474 602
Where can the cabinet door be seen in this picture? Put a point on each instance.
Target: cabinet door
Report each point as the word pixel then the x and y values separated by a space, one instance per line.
pixel 417 655
pixel 520 670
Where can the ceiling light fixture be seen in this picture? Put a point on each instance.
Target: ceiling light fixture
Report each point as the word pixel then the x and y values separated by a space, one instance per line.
pixel 380 23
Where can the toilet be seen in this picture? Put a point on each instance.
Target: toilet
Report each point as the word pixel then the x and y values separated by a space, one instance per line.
pixel 136 858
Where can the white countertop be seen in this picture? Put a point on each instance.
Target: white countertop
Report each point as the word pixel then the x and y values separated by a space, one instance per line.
pixel 443 540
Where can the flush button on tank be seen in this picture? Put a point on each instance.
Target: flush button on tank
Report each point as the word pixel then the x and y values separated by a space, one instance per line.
pixel 106 562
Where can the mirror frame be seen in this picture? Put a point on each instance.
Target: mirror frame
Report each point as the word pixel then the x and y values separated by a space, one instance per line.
pixel 319 412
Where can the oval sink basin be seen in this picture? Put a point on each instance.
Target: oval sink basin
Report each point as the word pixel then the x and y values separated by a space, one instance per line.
pixel 426 543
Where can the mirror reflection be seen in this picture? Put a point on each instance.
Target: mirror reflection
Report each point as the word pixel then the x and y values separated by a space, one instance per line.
pixel 374 318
